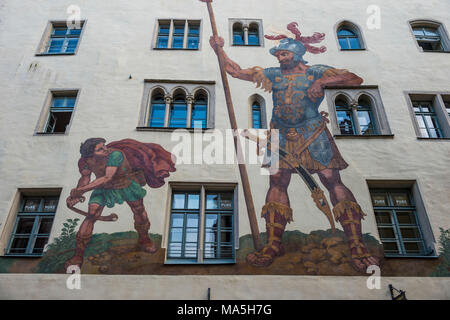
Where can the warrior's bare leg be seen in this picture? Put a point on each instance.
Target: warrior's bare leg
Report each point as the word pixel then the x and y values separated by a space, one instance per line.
pixel 347 211
pixel 142 225
pixel 277 213
pixel 84 234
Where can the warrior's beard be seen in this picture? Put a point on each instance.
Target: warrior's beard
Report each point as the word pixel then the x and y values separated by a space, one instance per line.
pixel 288 65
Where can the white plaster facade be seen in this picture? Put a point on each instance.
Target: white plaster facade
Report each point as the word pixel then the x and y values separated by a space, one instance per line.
pixel 117 43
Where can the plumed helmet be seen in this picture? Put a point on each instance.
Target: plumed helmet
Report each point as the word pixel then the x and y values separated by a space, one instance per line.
pixel 294 46
pixel 299 45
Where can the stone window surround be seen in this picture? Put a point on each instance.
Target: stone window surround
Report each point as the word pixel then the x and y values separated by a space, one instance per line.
pixel 43 117
pixel 434 24
pixel 353 93
pixel 245 24
pixel 354 27
pixel 202 187
pixel 414 187
pixel 437 98
pixel 46 37
pixel 262 102
pixel 6 228
pixel 169 47
pixel 190 87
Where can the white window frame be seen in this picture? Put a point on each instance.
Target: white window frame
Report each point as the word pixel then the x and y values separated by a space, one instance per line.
pixel 245 25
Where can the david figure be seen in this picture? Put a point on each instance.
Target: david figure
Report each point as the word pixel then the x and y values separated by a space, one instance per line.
pixel 298 90
pixel 121 169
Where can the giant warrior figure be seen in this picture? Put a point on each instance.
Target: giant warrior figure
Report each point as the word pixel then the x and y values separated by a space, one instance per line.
pixel 298 90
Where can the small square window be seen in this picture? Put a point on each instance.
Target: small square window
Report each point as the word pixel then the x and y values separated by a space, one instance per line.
pixel 246 32
pixel 33 224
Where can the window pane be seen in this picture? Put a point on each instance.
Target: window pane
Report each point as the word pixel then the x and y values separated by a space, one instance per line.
pixel 354 43
pixel 226 201
pixel 163 42
pixel 345 122
pixel 50 205
pixel 400 199
pixel 226 236
pixel 413 247
pixel 238 38
pixel 39 244
pixel 174 250
pixel 192 43
pixel 190 250
pixel 406 218
pixel 226 221
pixel 31 205
pixel 19 245
pixel 383 217
pixel 191 235
pixel 212 201
pixel 158 115
pixel 178 201
pixel 379 200
pixel 176 235
pixel 344 43
pixel 192 221
pixel 390 247
pixel 211 221
pixel 45 225
pixel 210 235
pixel 365 121
pixel 410 233
pixel 345 32
pixel 193 201
pixel 386 232
pixel 199 114
pixel 177 220
pixel 25 225
pixel 59 31
pixel 253 39
pixel 178 116
pixel 177 42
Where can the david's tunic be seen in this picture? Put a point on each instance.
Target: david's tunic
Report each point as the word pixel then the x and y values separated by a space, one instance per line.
pixel 297 117
pixel 124 185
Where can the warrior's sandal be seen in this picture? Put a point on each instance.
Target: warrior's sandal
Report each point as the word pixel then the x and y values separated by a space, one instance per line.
pixel 273 247
pixel 145 243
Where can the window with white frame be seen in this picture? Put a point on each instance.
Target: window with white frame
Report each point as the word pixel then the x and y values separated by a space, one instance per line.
pixel 178 105
pixel 60 38
pixel 246 32
pixel 202 225
pixel 430 36
pixel 357 111
pixel 58 110
pixel 33 224
pixel 178 34
pixel 430 112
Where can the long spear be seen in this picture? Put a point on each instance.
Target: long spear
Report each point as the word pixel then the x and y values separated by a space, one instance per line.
pixel 237 144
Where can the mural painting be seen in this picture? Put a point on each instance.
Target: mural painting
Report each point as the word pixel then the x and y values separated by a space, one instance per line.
pixel 121 168
pixel 304 139
pixel 306 149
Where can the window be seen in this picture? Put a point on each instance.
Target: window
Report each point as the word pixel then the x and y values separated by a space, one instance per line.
pixel 33 224
pixel 256 115
pixel 246 32
pixel 178 34
pixel 398 223
pixel 58 112
pixel 426 119
pixel 257 109
pixel 430 36
pixel 349 36
pixel 175 105
pixel 430 112
pixel 201 226
pixel 359 112
pixel 60 39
